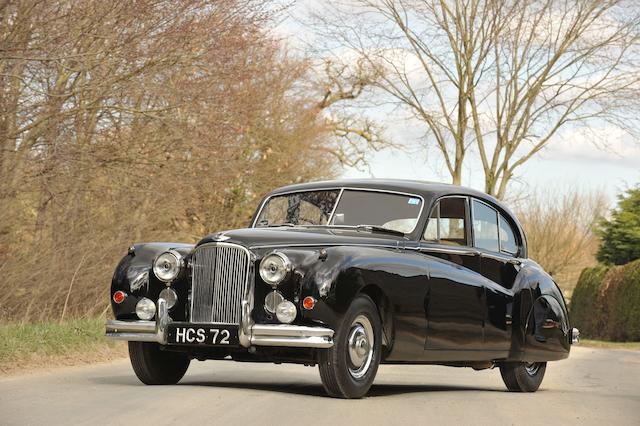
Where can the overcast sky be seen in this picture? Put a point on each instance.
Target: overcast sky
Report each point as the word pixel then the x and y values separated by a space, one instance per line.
pixel 603 160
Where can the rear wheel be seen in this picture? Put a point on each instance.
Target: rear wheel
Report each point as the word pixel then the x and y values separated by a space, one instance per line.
pixel 154 366
pixel 523 376
pixel 348 368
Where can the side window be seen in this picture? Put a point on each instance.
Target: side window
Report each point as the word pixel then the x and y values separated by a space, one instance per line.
pixel 446 224
pixel 485 227
pixel 508 242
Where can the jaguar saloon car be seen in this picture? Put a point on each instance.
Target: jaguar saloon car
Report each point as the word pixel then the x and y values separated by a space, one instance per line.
pixel 347 275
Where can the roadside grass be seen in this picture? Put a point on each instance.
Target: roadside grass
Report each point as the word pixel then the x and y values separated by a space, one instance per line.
pixel 25 347
pixel 604 344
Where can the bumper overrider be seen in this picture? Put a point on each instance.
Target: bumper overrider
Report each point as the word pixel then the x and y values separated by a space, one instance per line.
pixel 249 334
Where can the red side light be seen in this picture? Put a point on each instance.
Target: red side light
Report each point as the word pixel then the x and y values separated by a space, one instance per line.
pixel 119 296
pixel 308 303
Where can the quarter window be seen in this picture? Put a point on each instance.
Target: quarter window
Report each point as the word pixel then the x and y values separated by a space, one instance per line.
pixel 508 242
pixel 485 227
pixel 446 223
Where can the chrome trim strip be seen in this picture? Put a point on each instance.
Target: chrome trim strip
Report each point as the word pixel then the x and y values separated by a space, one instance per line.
pixel 471 251
pixel 325 244
pixel 342 189
pixel 141 331
pixel 439 249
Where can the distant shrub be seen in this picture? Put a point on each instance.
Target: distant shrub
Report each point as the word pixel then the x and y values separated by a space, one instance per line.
pixel 623 308
pixel 586 309
pixel 606 302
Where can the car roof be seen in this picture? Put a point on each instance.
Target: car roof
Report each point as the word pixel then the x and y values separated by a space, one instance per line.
pixel 429 191
pixel 422 188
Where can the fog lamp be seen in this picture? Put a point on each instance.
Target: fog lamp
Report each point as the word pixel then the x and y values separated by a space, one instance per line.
pixel 286 312
pixel 145 309
pixel 169 296
pixel 272 300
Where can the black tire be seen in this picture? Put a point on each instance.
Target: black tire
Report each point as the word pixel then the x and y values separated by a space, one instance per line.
pixel 523 377
pixel 157 367
pixel 340 377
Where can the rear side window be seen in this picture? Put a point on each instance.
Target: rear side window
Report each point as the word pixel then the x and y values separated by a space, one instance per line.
pixel 446 224
pixel 485 227
pixel 508 243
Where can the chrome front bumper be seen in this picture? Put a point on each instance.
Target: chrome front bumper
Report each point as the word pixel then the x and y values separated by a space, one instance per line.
pixel 575 336
pixel 250 335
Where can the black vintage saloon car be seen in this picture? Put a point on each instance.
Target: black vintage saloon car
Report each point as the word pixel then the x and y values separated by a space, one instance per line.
pixel 347 275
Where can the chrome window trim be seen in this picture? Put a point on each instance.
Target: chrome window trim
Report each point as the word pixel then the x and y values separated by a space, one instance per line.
pixel 266 200
pixel 467 218
pixel 472 213
pixel 515 234
pixel 435 246
pixel 506 252
pixel 442 248
pixel 342 189
pixel 335 206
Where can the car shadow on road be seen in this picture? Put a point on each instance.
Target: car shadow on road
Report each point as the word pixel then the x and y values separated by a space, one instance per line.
pixel 317 390
pixel 377 390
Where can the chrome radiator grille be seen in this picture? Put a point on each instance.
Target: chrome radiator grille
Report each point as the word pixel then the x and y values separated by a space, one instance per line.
pixel 220 275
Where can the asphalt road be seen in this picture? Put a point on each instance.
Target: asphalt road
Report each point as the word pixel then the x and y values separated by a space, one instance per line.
pixel 594 386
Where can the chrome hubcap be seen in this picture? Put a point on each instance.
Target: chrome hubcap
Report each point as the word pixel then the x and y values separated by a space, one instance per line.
pixel 360 346
pixel 531 368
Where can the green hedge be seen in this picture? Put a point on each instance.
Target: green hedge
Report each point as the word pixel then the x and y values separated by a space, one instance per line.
pixel 606 302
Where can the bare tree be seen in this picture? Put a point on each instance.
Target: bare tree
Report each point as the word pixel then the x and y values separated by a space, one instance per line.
pixel 355 135
pixel 560 231
pixel 137 121
pixel 499 78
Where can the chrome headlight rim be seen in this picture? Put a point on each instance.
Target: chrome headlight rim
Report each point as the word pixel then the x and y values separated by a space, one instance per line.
pixel 287 267
pixel 179 263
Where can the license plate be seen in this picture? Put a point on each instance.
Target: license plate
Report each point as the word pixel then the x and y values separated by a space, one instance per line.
pixel 203 334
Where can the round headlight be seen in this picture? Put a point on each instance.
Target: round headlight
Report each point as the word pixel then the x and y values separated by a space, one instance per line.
pixel 145 309
pixel 167 266
pixel 275 268
pixel 169 296
pixel 286 312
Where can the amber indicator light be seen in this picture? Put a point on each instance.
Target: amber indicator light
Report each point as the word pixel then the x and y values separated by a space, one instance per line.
pixel 308 303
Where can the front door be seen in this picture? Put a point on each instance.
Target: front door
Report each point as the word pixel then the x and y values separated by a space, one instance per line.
pixel 455 305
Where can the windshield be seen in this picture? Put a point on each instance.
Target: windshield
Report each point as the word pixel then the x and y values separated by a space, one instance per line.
pixel 396 212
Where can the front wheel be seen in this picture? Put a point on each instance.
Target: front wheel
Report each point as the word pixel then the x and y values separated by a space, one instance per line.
pixel 154 366
pixel 523 376
pixel 348 368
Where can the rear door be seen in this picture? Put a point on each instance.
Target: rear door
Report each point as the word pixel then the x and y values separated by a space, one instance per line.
pixel 495 241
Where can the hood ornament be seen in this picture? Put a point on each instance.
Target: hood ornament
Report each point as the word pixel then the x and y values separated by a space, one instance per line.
pixel 220 237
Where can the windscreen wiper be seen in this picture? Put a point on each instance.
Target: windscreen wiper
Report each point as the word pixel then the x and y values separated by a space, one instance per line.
pixel 274 225
pixel 374 228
